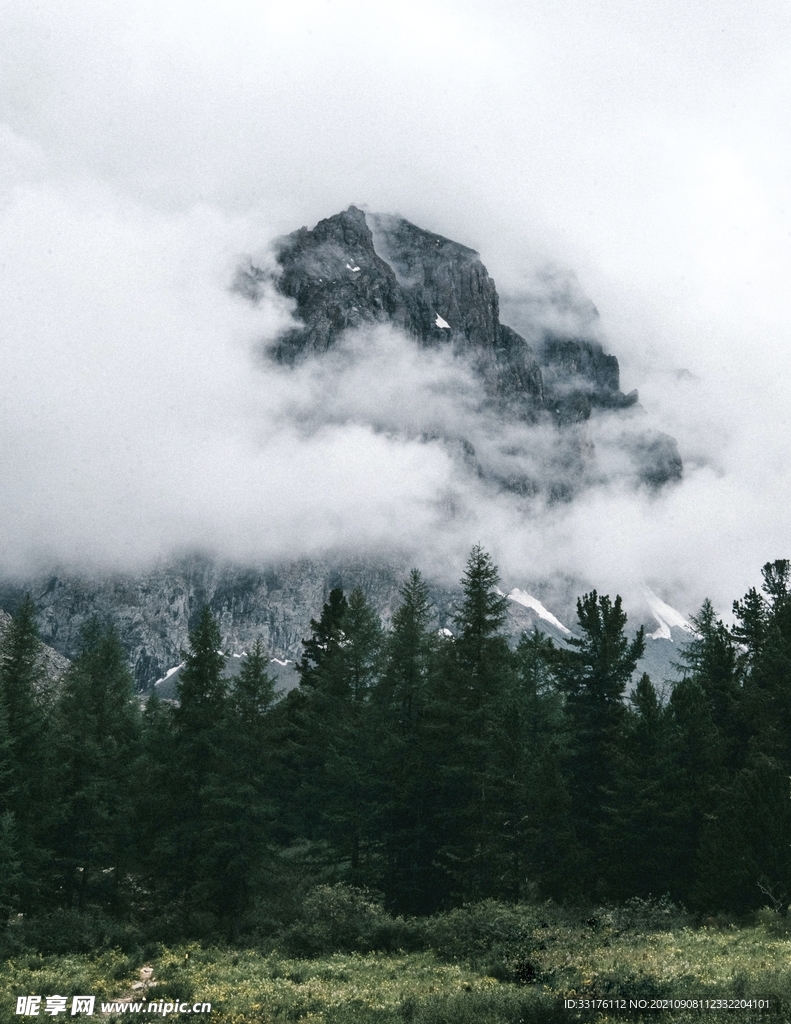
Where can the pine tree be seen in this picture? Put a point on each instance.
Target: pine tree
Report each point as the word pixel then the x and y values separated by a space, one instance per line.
pixel 323 663
pixel 745 838
pixel 763 631
pixel 410 658
pixel 466 717
pixel 202 689
pixel 406 812
pixel 10 865
pixel 238 798
pixel 29 793
pixel 535 851
pixel 641 814
pixel 480 649
pixel 710 659
pixel 593 674
pixel 253 692
pixel 707 742
pixel 198 818
pixel 97 743
pixel 350 798
pixel 325 745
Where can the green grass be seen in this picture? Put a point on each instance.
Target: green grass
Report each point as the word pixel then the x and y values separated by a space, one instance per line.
pixel 607 958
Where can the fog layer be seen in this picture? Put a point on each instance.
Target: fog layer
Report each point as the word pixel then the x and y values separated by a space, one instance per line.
pixel 145 151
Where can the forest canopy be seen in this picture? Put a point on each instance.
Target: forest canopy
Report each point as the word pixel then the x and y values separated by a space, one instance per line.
pixel 436 768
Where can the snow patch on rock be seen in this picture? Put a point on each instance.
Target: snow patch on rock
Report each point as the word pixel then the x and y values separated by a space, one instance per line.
pixel 528 601
pixel 666 616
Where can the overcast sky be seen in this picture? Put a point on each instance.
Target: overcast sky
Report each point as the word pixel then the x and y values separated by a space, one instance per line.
pixel 144 147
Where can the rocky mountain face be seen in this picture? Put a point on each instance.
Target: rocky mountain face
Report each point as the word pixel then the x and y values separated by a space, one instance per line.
pixel 354 271
pixel 357 269
pixel 154 611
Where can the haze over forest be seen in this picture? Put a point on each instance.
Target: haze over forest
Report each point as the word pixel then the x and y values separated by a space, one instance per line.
pixel 145 151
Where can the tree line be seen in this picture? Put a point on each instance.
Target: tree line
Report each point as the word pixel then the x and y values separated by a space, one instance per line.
pixel 435 769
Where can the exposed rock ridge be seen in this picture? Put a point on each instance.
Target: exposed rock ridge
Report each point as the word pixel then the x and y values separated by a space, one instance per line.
pixel 354 269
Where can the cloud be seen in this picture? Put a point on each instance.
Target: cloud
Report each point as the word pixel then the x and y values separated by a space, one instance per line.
pixel 144 150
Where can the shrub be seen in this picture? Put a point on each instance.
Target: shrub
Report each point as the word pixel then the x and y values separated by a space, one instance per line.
pixel 653 914
pixel 341 918
pixel 481 930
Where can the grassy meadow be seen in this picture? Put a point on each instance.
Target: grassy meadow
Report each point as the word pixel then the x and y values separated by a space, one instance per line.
pixel 486 964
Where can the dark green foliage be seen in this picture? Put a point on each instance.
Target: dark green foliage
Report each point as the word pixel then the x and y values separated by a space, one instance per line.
pixel 480 650
pixel 10 864
pixel 593 674
pixel 438 770
pixel 744 855
pixel 214 851
pixel 745 828
pixel 325 744
pixel 202 689
pixel 641 813
pixel 405 758
pixel 97 745
pixel 26 759
pixel 529 751
pixel 467 711
pixel 342 918
pixel 322 666
pixel 709 659
pixel 192 736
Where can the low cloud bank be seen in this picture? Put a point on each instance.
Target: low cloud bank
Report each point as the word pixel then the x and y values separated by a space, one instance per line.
pixel 142 418
pixel 637 146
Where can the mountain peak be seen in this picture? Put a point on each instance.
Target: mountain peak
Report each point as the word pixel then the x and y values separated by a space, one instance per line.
pixel 356 270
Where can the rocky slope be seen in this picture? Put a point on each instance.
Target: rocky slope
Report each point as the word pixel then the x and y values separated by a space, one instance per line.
pixel 154 612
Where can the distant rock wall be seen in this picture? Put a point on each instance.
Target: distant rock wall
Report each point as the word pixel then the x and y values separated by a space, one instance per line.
pixel 155 610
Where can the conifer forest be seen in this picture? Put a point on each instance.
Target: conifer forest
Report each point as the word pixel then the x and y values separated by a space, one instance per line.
pixel 435 769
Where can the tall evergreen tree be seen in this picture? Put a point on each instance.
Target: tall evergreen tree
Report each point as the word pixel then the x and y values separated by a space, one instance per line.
pixel 29 793
pixel 706 740
pixel 528 752
pixel 467 713
pixel 97 741
pixel 323 663
pixel 405 769
pixel 641 815
pixel 481 653
pixel 593 673
pixel 410 658
pixel 10 865
pixel 348 741
pixel 763 631
pixel 710 659
pixel 198 762
pixel 237 798
pixel 744 855
pixel 326 748
pixel 202 688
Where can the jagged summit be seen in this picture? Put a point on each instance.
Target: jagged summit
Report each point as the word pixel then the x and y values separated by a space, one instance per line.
pixel 358 269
